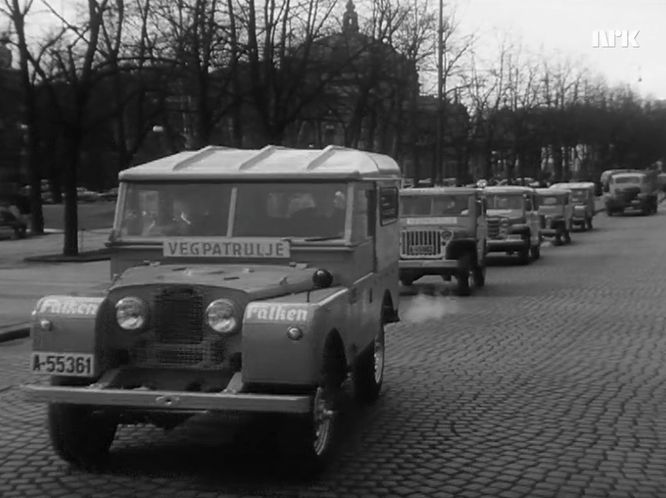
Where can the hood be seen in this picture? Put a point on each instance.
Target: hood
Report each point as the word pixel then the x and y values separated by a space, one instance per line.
pixel 257 281
pixel 515 215
pixel 551 210
pixel 434 222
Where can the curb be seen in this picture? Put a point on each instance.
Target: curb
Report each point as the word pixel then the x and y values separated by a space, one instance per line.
pixel 12 332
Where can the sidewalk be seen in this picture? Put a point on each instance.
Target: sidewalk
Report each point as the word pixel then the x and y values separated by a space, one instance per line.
pixel 23 282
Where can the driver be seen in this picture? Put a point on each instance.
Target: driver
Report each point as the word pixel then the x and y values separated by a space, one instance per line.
pixel 326 218
pixel 188 219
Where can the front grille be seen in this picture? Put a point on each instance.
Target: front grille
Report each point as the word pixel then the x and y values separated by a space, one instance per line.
pixel 630 193
pixel 493 225
pixel 178 338
pixel 422 243
pixel 178 316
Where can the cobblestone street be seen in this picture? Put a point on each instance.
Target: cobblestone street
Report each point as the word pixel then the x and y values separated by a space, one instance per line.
pixel 548 382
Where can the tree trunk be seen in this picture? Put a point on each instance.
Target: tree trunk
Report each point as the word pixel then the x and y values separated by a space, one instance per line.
pixel 71 242
pixel 35 174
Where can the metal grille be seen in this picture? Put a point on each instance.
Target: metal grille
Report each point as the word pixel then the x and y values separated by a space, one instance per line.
pixel 179 339
pixel 630 193
pixel 493 225
pixel 179 316
pixel 421 243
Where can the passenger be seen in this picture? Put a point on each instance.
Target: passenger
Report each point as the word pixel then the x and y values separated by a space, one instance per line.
pixel 325 219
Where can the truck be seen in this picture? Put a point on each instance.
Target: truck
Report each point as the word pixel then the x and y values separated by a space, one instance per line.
pixel 633 190
pixel 242 281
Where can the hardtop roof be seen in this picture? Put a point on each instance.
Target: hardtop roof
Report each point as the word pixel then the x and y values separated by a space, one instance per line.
pixel 270 163
pixel 439 191
pixel 552 191
pixel 508 189
pixel 573 185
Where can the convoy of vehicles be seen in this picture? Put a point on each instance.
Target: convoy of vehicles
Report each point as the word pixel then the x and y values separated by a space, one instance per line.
pixel 443 232
pixel 556 210
pixel 258 281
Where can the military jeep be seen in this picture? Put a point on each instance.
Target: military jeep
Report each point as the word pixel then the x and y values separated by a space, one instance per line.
pixel 582 198
pixel 250 281
pixel 513 222
pixel 443 232
pixel 556 212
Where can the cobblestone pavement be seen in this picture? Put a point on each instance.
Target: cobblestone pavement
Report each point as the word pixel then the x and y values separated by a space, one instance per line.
pixel 548 382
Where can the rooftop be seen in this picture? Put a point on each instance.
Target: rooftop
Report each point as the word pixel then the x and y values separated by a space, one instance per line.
pixel 270 163
pixel 438 191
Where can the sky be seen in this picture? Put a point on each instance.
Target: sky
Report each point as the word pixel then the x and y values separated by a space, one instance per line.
pixel 566 27
pixel 562 27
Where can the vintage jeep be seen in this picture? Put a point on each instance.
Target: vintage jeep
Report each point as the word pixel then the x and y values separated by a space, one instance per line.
pixel 582 198
pixel 513 222
pixel 243 281
pixel 556 212
pixel 443 232
pixel 632 190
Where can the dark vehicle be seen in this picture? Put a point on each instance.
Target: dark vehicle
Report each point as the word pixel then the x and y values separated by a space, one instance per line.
pixel 8 220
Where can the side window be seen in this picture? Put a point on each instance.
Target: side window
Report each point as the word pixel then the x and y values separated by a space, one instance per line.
pixel 388 205
pixel 528 202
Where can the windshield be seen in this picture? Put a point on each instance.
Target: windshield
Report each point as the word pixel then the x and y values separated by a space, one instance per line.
pixel 626 179
pixel 441 205
pixel 261 210
pixel 550 200
pixel 579 195
pixel 504 201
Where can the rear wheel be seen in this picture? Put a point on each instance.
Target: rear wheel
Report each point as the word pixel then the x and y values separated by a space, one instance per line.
pixel 368 373
pixel 79 434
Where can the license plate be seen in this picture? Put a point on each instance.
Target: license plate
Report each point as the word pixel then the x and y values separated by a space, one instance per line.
pixel 70 364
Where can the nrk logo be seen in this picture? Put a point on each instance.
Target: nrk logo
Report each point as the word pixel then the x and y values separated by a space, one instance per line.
pixel 615 38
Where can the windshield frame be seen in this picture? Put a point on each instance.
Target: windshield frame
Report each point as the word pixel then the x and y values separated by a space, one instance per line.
pixel 346 186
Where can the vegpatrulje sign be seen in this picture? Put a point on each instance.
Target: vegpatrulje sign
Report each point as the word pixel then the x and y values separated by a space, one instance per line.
pixel 220 247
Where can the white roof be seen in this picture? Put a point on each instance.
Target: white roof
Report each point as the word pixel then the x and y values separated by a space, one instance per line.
pixel 271 163
pixel 573 185
pixel 552 191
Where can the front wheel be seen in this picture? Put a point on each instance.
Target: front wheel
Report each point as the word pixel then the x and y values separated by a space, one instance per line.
pixel 79 435
pixel 589 224
pixel 368 373
pixel 567 236
pixel 536 252
pixel 309 438
pixel 524 255
pixel 463 276
pixel 479 275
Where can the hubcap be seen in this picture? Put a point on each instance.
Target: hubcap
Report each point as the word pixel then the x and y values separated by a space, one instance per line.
pixel 379 358
pixel 323 418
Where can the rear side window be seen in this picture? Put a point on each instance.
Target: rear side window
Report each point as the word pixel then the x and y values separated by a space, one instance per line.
pixel 388 205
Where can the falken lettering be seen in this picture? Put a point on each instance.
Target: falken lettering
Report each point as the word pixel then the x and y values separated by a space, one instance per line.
pixel 206 248
pixel 69 307
pixel 276 313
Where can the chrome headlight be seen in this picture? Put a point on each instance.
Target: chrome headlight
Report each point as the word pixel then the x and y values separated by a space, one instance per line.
pixel 221 316
pixel 131 313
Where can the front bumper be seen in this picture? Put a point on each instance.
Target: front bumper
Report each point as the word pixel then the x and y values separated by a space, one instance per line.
pixel 503 245
pixel 548 232
pixel 168 400
pixel 428 264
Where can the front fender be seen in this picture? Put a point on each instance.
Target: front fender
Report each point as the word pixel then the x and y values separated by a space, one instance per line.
pixel 66 324
pixel 270 356
pixel 520 228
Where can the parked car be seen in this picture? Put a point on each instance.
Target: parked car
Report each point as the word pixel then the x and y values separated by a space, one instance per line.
pixel 442 232
pixel 514 225
pixel 110 195
pixel 556 210
pixel 10 222
pixel 251 300
pixel 85 195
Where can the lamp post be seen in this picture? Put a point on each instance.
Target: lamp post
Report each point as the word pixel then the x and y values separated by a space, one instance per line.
pixel 437 172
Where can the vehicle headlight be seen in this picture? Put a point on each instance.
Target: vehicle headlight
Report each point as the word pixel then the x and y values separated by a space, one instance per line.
pixel 220 316
pixel 131 313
